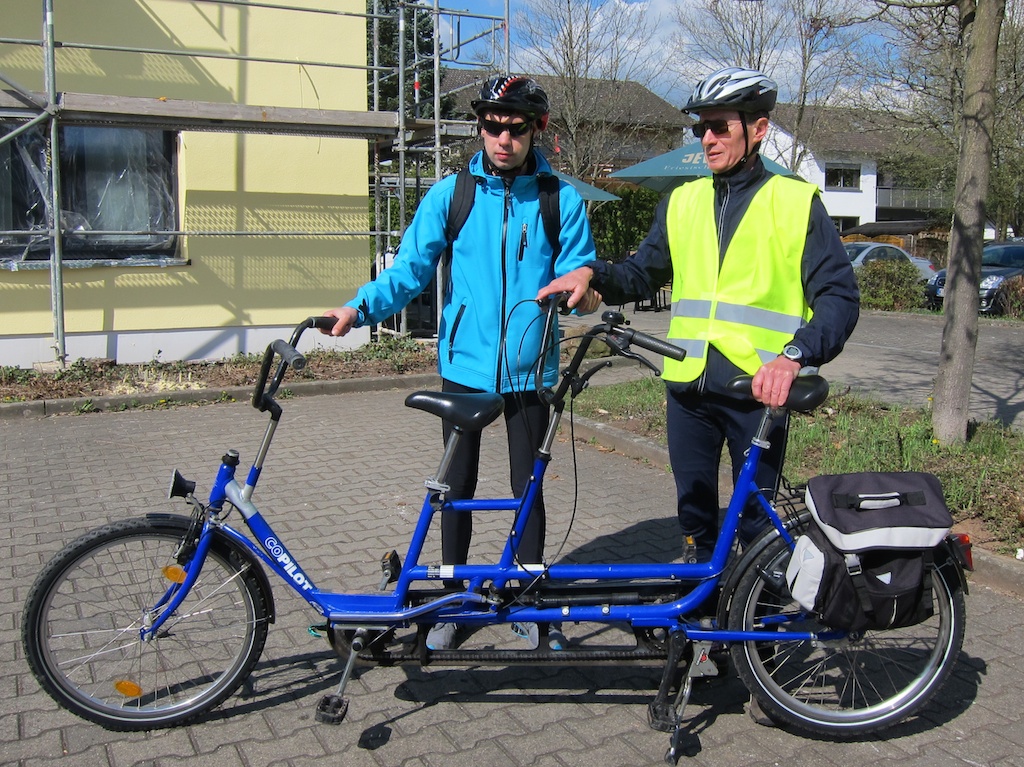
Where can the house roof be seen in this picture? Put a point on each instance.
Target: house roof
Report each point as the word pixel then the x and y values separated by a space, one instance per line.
pixel 876 228
pixel 622 101
pixel 847 130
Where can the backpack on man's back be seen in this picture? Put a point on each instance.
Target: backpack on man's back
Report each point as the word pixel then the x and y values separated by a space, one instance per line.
pixel 465 194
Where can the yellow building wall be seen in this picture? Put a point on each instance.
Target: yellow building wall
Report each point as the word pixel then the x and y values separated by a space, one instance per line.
pixel 227 182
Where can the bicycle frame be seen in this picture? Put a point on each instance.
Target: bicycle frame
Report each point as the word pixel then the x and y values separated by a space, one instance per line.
pixel 473 606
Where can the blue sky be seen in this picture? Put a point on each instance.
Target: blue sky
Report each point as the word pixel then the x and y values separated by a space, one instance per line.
pixel 667 87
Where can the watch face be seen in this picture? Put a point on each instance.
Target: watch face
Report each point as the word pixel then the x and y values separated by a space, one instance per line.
pixel 793 353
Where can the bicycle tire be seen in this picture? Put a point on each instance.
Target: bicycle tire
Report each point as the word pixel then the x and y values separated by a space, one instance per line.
pixel 83 616
pixel 842 688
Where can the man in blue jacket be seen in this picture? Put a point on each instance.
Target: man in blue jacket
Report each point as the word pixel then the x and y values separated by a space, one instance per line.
pixel 489 337
pixel 761 285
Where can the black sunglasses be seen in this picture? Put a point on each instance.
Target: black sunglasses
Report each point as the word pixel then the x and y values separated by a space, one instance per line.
pixel 718 127
pixel 495 128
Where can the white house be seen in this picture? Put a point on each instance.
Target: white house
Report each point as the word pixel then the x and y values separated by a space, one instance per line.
pixel 839 150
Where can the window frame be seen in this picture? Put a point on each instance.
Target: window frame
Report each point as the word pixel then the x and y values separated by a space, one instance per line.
pixel 843 169
pixel 101 164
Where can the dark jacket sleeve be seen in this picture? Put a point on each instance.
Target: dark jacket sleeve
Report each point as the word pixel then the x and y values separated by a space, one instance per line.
pixel 830 288
pixel 642 274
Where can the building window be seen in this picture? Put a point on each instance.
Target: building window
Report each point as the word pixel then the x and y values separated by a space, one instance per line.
pixel 842 177
pixel 845 222
pixel 117 194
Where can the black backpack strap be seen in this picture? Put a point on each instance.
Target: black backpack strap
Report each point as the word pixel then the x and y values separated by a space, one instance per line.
pixel 461 204
pixel 550 211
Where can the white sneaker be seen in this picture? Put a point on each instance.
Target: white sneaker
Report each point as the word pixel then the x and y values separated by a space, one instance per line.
pixel 529 632
pixel 442 636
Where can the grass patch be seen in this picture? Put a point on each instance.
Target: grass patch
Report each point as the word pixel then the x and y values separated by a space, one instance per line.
pixel 982 478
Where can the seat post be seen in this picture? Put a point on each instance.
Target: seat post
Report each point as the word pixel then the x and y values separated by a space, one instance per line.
pixel 437 483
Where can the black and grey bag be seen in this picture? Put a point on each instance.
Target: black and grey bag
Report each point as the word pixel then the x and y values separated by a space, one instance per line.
pixel 865 561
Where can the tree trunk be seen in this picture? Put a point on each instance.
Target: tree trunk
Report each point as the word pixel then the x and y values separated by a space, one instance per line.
pixel 981 21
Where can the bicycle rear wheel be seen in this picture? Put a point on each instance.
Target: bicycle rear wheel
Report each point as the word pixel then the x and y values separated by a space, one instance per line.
pixel 845 687
pixel 83 616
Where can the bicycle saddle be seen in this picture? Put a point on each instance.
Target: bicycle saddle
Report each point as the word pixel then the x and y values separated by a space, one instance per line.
pixel 469 412
pixel 806 393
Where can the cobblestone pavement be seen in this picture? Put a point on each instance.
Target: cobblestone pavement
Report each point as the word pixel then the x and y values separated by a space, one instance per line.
pixel 342 485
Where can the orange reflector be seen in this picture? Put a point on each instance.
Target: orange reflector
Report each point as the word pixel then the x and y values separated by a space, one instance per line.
pixel 963 542
pixel 128 688
pixel 174 573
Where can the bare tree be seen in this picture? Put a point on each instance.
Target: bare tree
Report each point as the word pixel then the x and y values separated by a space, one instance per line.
pixel 589 50
pixel 944 77
pixel 981 22
pixel 808 46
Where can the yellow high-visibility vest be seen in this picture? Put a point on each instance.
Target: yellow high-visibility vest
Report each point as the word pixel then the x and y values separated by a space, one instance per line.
pixel 751 306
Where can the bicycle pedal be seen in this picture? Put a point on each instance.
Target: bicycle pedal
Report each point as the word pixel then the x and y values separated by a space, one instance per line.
pixel 332 709
pixel 390 569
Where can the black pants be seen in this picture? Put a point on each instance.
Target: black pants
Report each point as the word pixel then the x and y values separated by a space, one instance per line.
pixel 698 426
pixel 526 420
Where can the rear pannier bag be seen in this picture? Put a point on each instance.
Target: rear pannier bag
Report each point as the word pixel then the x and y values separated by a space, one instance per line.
pixel 865 561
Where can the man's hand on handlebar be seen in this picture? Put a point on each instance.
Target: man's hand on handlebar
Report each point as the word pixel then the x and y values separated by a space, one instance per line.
pixel 347 318
pixel 773 380
pixel 577 284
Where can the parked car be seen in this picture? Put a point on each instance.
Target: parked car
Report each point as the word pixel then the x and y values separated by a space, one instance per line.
pixel 999 262
pixel 862 252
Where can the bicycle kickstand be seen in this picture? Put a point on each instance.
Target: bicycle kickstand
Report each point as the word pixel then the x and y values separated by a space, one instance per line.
pixel 332 708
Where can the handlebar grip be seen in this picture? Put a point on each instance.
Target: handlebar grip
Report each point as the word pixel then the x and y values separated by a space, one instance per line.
pixel 322 323
pixel 288 354
pixel 652 344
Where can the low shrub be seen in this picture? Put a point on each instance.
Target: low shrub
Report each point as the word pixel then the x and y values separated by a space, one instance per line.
pixel 891 286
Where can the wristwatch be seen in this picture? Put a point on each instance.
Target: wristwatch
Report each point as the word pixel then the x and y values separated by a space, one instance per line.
pixel 792 352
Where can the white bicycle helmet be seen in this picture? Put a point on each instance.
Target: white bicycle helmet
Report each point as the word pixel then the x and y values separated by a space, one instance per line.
pixel 745 90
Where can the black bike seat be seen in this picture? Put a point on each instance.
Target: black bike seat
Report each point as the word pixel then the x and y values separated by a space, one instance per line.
pixel 469 412
pixel 806 393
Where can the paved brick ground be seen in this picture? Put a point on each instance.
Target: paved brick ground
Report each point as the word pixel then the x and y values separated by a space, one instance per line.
pixel 342 485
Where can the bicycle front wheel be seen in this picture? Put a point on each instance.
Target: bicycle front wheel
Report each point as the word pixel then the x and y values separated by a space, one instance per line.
pixel 82 620
pixel 845 687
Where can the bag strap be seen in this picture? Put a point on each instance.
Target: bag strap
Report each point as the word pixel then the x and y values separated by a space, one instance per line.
pixel 461 204
pixel 550 212
pixel 861 501
pixel 853 566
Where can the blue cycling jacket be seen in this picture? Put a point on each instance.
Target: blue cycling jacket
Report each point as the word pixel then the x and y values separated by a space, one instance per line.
pixel 489 335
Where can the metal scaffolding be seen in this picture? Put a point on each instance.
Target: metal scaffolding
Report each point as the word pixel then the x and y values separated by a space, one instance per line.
pixel 399 134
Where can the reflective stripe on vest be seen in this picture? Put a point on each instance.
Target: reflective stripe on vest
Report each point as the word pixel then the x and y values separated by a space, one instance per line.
pixel 750 306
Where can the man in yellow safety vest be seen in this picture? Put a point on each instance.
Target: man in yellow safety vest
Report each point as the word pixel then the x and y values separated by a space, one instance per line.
pixel 761 285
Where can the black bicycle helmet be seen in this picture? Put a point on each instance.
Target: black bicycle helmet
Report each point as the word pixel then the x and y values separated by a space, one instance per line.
pixel 745 90
pixel 511 93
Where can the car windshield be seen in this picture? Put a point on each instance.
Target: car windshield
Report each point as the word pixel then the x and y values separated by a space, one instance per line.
pixel 854 249
pixel 1003 255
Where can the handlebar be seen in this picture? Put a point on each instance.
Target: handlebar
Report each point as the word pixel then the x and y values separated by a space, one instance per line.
pixel 618 338
pixel 263 397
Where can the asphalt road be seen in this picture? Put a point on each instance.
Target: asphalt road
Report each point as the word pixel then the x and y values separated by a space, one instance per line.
pixel 897 355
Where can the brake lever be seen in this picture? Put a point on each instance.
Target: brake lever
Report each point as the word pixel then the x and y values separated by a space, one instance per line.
pixel 623 349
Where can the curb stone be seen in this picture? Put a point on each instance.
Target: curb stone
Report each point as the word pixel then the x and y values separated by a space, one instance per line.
pixel 84 405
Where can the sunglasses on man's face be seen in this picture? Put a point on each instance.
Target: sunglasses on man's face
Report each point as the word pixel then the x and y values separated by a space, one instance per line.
pixel 717 127
pixel 495 128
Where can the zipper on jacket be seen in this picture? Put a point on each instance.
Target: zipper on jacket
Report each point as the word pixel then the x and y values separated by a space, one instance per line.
pixel 522 243
pixel 455 329
pixel 504 282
